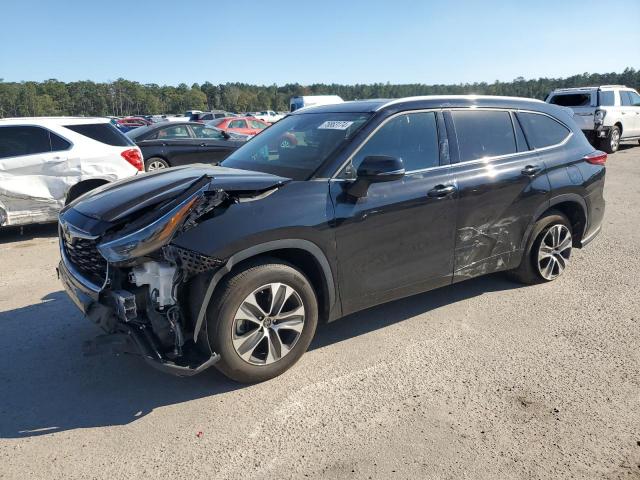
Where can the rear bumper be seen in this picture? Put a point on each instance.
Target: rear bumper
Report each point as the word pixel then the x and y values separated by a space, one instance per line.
pixel 600 131
pixel 98 304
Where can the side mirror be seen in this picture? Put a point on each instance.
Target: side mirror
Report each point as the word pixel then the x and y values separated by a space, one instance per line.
pixel 374 169
pixel 225 135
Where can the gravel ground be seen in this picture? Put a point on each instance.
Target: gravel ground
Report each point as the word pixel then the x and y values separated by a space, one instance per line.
pixel 484 379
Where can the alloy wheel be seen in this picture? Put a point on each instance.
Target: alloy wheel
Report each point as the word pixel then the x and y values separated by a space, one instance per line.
pixel 615 140
pixel 268 324
pixel 155 165
pixel 554 252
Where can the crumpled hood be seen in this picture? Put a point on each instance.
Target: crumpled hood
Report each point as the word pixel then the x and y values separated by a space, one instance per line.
pixel 116 201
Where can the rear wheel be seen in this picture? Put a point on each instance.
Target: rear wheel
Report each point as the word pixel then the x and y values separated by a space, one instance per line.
pixel 611 142
pixel 261 320
pixel 548 252
pixel 155 163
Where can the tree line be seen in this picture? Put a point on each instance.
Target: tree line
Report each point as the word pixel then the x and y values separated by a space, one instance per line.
pixel 124 97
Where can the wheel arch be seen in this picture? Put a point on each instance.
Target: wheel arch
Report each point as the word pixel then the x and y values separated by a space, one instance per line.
pixel 619 125
pixel 303 254
pixel 573 207
pixel 82 187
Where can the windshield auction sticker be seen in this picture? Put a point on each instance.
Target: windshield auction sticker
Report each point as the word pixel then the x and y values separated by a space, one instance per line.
pixel 335 125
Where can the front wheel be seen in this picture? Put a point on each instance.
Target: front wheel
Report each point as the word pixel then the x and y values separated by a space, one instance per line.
pixel 548 251
pixel 261 320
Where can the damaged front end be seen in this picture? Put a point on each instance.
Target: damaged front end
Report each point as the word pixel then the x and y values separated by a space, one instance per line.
pixel 125 275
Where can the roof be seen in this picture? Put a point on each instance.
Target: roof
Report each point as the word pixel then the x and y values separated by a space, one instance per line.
pixel 53 120
pixel 578 89
pixel 428 101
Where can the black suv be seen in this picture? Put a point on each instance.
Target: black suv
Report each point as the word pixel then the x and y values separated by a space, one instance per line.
pixel 364 203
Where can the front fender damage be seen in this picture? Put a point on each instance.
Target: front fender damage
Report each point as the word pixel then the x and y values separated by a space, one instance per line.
pixel 149 304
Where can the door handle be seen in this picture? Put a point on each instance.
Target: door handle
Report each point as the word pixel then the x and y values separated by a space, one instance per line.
pixel 623 113
pixel 203 144
pixel 440 191
pixel 530 170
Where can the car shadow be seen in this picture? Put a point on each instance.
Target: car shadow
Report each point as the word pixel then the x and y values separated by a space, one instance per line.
pixel 49 386
pixel 390 313
pixel 28 232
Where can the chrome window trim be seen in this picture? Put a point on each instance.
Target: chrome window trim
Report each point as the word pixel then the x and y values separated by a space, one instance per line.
pixel 476 161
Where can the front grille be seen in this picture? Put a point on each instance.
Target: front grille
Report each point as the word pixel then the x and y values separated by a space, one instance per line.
pixel 85 257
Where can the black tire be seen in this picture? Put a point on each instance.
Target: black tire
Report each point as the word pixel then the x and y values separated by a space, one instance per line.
pixel 611 142
pixel 226 301
pixel 156 161
pixel 528 271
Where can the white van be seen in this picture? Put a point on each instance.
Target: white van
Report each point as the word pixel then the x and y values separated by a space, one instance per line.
pixel 296 103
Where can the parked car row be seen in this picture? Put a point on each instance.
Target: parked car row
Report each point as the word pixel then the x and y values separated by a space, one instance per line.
pixel 37 177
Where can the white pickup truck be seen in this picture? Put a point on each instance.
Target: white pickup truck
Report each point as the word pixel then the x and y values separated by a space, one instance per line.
pixel 607 114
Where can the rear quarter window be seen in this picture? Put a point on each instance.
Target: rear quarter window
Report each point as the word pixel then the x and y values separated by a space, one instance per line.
pixel 542 130
pixel 103 133
pixel 572 100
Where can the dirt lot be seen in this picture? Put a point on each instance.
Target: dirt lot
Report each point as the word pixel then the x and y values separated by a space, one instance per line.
pixel 485 379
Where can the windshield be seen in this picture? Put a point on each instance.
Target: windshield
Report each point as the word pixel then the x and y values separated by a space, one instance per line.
pixel 297 145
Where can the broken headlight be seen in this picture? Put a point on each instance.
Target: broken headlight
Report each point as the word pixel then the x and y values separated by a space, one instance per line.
pixel 148 238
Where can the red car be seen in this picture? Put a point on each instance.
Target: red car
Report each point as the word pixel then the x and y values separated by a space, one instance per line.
pixel 246 125
pixel 133 122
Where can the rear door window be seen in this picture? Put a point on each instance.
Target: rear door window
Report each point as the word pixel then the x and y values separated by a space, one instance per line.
pixel 483 133
pixel 201 131
pixel 256 124
pixel 237 124
pixel 175 132
pixel 542 130
pixel 103 133
pixel 625 98
pixel 23 140
pixel 412 137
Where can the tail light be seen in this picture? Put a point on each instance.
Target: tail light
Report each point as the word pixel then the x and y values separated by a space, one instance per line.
pixel 133 156
pixel 596 158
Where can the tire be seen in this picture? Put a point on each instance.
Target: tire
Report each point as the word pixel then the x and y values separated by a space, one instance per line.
pixel 155 163
pixel 534 270
pixel 244 339
pixel 611 142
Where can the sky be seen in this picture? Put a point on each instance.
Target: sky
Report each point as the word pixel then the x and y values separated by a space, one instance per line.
pixel 322 41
